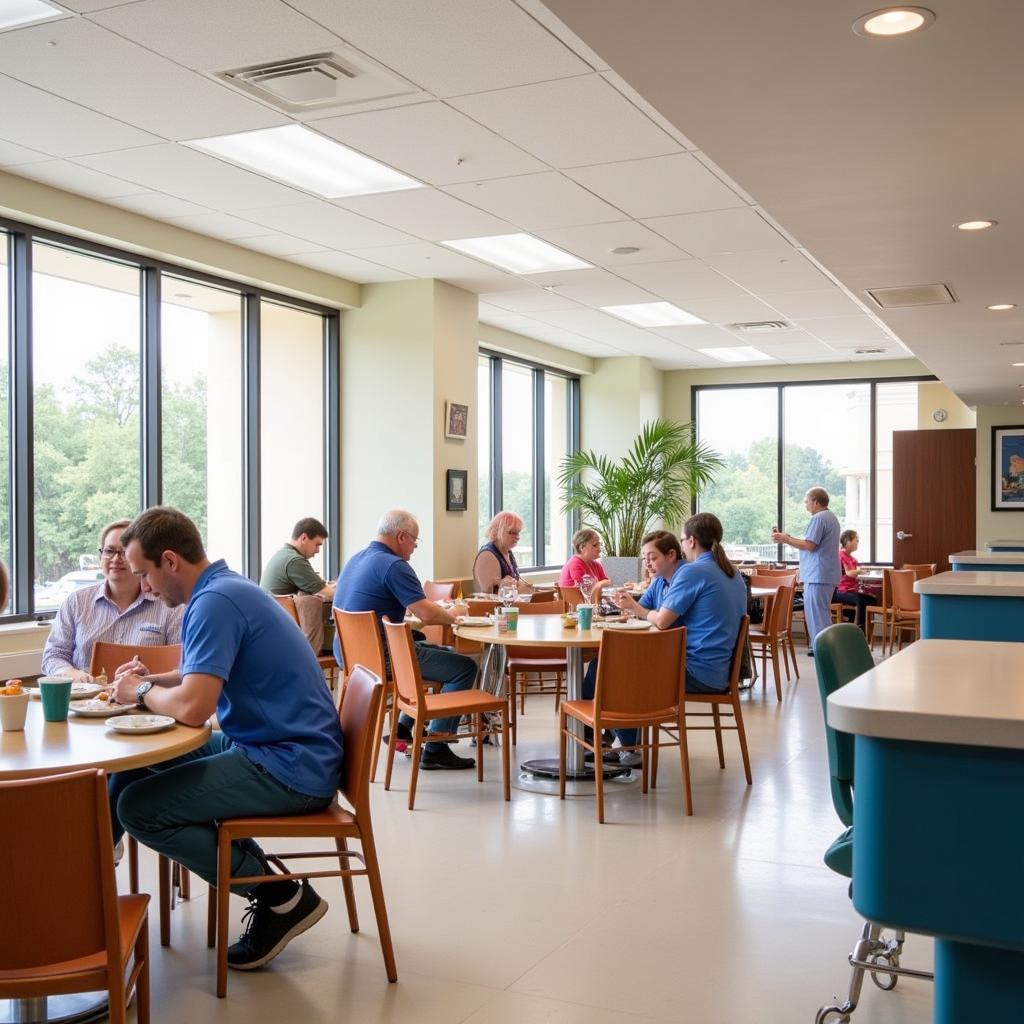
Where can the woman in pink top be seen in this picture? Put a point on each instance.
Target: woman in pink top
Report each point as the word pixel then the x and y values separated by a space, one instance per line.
pixel 846 592
pixel 587 545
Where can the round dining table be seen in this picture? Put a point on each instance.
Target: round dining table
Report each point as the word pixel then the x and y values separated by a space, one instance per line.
pixel 49 748
pixel 545 631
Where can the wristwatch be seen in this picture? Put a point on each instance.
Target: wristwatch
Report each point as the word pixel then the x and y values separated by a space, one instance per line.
pixel 140 693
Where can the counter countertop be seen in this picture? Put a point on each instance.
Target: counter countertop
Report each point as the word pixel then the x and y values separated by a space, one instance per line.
pixel 972 584
pixel 987 558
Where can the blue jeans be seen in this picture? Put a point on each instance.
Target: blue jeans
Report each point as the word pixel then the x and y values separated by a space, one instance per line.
pixel 173 807
pixel 454 671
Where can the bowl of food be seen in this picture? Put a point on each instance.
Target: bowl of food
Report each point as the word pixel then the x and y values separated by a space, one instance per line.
pixel 569 620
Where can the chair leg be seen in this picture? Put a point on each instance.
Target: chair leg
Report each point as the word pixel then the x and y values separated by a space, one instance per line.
pixel 346 885
pixel 598 776
pixel 684 761
pixel 378 731
pixel 380 909
pixel 654 757
pixel 513 684
pixel 778 675
pixel 645 750
pixel 865 945
pixel 561 753
pixel 506 769
pixel 142 982
pixel 478 718
pixel 184 882
pixel 417 751
pixel 741 735
pixel 717 719
pixel 165 900
pixel 133 864
pixel 392 740
pixel 792 654
pixel 223 894
pixel 211 917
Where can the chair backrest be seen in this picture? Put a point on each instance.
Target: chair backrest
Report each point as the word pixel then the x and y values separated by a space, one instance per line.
pixel 108 657
pixel 551 607
pixel 571 596
pixel 902 583
pixel 923 569
pixel 736 665
pixel 405 669
pixel 438 591
pixel 58 828
pixel 525 651
pixel 841 653
pixel 481 607
pixel 795 571
pixel 359 640
pixel 640 673
pixel 360 708
pixel 287 602
pixel 776 581
pixel 544 596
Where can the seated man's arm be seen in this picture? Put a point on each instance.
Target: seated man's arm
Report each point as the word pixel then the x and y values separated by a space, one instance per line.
pixel 662 618
pixel 191 701
pixel 307 580
pixel 431 614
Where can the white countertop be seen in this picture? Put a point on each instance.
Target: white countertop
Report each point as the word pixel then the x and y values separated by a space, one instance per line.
pixel 987 558
pixel 1005 544
pixel 939 691
pixel 973 584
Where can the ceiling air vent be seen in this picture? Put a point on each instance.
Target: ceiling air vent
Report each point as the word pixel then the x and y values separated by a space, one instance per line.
pixel 912 295
pixel 868 351
pixel 340 78
pixel 761 326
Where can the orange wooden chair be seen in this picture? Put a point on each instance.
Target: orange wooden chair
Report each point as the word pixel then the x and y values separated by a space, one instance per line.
pixel 174 880
pixel 922 569
pixel 523 661
pixel 774 634
pixel 437 592
pixel 717 702
pixel 571 596
pixel 412 698
pixel 906 605
pixel 882 611
pixel 55 941
pixel 364 693
pixel 545 596
pixel 327 664
pixel 640 681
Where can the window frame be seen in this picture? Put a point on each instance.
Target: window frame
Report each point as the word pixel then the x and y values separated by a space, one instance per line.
pixel 780 439
pixel 539 370
pixel 20 238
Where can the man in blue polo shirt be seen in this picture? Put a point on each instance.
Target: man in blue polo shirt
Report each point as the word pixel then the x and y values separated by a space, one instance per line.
pixel 279 751
pixel 380 579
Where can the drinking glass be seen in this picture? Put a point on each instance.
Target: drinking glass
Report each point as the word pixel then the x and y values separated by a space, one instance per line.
pixel 587 586
pixel 508 592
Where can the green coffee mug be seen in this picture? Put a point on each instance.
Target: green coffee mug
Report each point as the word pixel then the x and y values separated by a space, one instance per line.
pixel 55 694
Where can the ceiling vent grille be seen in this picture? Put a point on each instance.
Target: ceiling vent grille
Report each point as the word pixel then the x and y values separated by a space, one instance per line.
pixel 869 351
pixel 761 326
pixel 912 295
pixel 318 81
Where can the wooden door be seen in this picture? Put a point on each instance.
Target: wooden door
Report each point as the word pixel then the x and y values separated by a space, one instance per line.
pixel 933 495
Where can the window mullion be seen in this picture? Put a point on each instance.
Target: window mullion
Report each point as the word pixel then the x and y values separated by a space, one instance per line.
pixel 150 414
pixel 497 468
pixel 539 554
pixel 22 504
pixel 251 435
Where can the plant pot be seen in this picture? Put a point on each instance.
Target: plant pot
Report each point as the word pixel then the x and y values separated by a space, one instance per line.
pixel 623 568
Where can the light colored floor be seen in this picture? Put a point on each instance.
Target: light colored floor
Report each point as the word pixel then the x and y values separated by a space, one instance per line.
pixel 532 912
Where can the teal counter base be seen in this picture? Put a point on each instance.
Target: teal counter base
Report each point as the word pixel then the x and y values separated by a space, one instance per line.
pixel 937 850
pixel 994 566
pixel 958 617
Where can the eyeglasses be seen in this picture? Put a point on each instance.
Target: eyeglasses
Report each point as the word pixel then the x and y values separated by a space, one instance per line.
pixel 113 553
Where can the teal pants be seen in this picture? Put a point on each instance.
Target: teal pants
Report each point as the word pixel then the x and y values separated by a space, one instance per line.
pixel 173 807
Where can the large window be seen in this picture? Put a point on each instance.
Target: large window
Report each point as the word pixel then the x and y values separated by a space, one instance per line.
pixel 779 440
pixel 126 382
pixel 529 420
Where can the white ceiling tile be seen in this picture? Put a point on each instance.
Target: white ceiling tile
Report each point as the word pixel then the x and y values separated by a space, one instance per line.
pixel 483 280
pixel 594 242
pixel 560 30
pixel 341 264
pixel 569 123
pixel 430 141
pixel 657 186
pixel 80 180
pixel 537 201
pixel 159 206
pixel 778 338
pixel 104 72
pixel 680 281
pixel 194 176
pixel 233 32
pixel 422 260
pixel 719 231
pixel 34 118
pixel 220 225
pixel 591 323
pixel 637 100
pixel 784 270
pixel 279 245
pixel 844 329
pixel 449 47
pixel 804 305
pixel 573 341
pixel 85 6
pixel 811 352
pixel 596 288
pixel 326 224
pixel 11 154
pixel 736 309
pixel 696 336
pixel 528 300
pixel 427 213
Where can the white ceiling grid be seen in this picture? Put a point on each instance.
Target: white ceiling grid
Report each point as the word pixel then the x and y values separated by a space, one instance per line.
pixel 517 126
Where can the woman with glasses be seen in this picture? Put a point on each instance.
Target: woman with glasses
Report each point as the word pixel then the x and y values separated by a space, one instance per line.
pixel 495 564
pixel 115 610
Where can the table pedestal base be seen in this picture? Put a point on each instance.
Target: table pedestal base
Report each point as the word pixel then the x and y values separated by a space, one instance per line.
pixel 541 776
pixel 68 1009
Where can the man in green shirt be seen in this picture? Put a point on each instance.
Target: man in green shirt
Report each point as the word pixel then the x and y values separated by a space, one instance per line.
pixel 289 572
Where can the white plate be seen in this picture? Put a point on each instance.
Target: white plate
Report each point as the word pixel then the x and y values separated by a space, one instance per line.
pixel 98 708
pixel 628 624
pixel 140 723
pixel 79 691
pixel 475 620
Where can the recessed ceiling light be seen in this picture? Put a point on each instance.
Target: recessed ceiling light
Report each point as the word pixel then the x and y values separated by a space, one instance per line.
pixel 19 13
pixel 740 354
pixel 1017 364
pixel 1001 307
pixel 519 253
pixel 654 314
pixel 976 225
pixel 893 21
pixel 300 157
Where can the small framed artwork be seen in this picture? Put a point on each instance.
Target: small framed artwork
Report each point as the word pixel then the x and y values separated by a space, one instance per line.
pixel 456 420
pixel 1008 469
pixel 457 480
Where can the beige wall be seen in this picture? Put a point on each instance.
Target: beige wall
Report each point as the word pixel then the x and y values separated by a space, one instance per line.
pixel 499 340
pixel 994 525
pixel 616 400
pixel 934 395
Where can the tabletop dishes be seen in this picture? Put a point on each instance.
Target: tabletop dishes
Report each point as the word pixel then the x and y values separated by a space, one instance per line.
pixel 140 724
pixel 629 624
pixel 79 691
pixel 96 708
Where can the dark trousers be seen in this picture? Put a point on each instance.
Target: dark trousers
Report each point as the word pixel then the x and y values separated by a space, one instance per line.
pixel 856 600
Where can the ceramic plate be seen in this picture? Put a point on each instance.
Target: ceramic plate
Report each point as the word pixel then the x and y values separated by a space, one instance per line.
pixel 476 620
pixel 98 708
pixel 79 691
pixel 628 624
pixel 140 723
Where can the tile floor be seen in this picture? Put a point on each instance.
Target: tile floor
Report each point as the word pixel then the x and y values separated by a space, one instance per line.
pixel 532 912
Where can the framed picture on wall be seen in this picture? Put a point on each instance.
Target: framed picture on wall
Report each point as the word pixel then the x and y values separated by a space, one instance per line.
pixel 1008 469
pixel 456 420
pixel 458 480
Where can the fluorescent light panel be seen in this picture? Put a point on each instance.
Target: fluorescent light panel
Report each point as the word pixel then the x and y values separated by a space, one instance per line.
pixel 19 13
pixel 519 253
pixel 300 157
pixel 654 314
pixel 738 354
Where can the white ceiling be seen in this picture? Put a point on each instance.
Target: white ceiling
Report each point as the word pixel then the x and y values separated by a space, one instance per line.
pixel 512 122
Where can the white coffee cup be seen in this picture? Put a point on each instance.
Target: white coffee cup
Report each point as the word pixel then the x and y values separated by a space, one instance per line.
pixel 13 710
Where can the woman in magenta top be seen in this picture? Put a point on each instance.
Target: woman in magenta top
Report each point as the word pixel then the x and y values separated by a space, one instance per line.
pixel 587 545
pixel 846 592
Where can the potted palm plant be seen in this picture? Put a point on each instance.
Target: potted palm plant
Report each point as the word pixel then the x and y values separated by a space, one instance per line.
pixel 653 483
